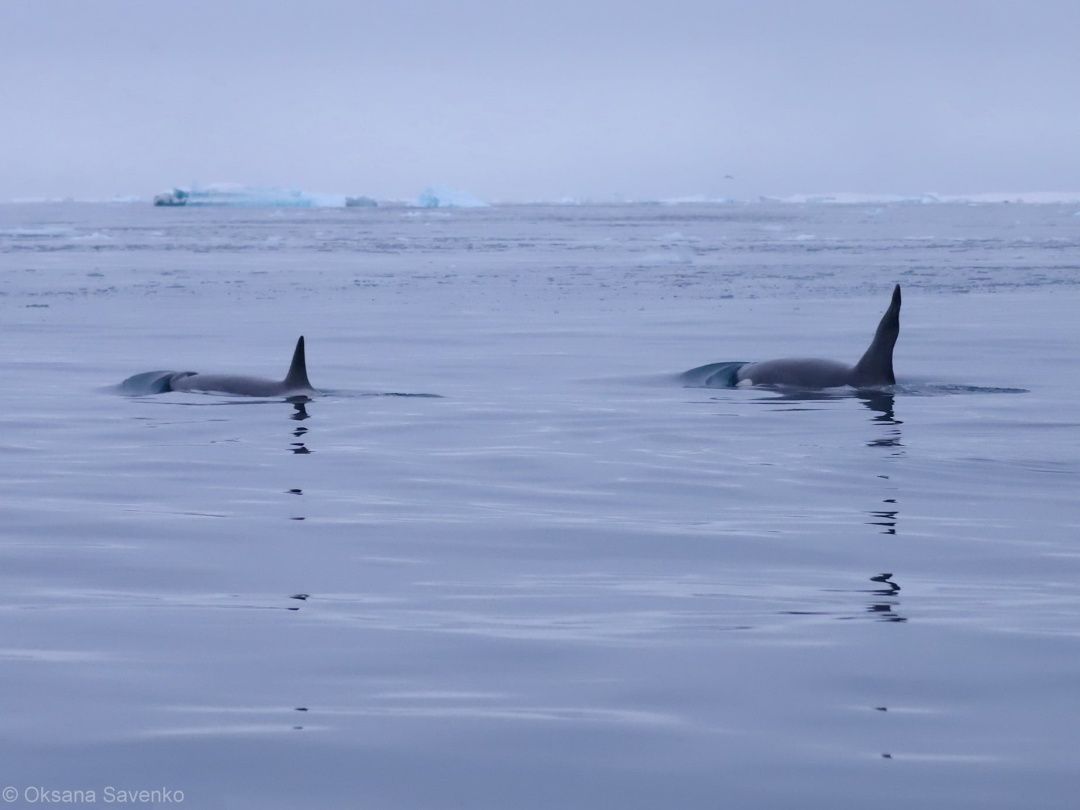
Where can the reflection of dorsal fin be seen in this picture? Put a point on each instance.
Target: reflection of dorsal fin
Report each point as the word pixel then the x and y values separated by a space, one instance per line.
pixel 875 367
pixel 297 376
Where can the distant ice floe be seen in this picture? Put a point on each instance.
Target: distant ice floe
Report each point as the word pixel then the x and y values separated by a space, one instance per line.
pixel 39 200
pixel 858 198
pixel 116 198
pixel 698 199
pixel 441 197
pixel 1032 197
pixel 240 196
pixel 235 195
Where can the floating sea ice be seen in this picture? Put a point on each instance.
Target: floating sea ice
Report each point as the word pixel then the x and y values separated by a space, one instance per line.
pixel 240 196
pixel 441 197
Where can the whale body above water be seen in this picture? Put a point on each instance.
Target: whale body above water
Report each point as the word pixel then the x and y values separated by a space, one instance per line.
pixel 875 367
pixel 158 382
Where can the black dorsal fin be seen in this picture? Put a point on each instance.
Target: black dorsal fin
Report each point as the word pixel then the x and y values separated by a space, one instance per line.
pixel 297 376
pixel 875 367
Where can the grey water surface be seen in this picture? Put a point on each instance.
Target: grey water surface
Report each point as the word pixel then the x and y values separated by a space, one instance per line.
pixel 562 580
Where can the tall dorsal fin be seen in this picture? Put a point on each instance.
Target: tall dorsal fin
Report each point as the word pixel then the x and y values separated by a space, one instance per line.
pixel 297 376
pixel 875 366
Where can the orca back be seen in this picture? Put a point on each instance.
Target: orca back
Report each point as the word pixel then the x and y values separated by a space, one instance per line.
pixel 713 375
pixel 149 382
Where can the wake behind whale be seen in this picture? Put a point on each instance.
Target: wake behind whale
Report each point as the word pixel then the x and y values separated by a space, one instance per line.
pixel 875 367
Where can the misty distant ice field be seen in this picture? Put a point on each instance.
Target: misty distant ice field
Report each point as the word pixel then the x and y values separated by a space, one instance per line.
pixel 560 579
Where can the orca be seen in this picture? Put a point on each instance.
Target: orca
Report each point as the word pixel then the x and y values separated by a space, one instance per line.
pixel 875 367
pixel 295 384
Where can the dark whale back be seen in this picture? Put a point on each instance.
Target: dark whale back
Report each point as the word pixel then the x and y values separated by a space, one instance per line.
pixel 874 368
pixel 157 382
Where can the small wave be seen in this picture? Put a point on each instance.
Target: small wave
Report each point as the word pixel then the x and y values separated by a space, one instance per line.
pixel 40 232
pixel 724 381
pixel 946 389
pixel 152 383
pixel 345 394
pixel 96 236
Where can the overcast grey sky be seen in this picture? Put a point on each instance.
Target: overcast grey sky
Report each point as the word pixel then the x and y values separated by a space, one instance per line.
pixel 542 99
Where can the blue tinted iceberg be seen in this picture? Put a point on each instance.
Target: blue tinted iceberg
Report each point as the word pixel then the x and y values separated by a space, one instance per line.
pixel 234 195
pixel 441 197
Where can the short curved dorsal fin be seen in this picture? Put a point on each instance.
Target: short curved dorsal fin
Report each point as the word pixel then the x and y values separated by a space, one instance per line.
pixel 297 376
pixel 875 367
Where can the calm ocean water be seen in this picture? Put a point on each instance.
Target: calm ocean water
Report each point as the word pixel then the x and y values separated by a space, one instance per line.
pixel 565 581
